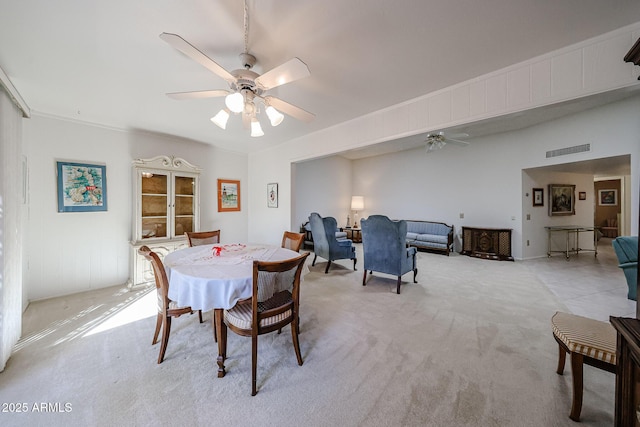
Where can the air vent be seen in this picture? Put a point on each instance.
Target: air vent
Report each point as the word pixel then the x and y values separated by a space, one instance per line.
pixel 569 150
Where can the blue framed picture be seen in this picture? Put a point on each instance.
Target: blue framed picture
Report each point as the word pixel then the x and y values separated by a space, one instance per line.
pixel 82 187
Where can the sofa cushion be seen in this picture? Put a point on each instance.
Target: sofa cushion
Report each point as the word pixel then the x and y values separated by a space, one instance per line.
pixel 412 236
pixel 432 238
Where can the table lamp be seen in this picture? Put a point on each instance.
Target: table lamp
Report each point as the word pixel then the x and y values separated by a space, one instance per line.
pixel 357 204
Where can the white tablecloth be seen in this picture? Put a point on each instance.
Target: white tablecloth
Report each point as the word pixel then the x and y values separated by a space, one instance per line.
pixel 204 281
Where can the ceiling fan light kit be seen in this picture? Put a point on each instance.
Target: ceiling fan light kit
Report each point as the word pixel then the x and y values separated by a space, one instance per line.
pixel 246 85
pixel 436 141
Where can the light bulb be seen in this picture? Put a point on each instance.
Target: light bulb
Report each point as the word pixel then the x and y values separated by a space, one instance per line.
pixel 256 129
pixel 235 102
pixel 274 115
pixel 221 118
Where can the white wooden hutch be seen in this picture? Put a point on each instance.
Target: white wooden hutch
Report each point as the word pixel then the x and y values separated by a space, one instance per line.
pixel 166 205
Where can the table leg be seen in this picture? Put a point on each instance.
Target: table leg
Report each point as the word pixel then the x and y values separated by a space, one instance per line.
pixel 567 248
pixel 577 242
pixel 549 243
pixel 595 242
pixel 222 341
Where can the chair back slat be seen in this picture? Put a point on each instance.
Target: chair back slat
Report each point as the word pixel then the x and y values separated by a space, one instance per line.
pixel 293 241
pixel 199 238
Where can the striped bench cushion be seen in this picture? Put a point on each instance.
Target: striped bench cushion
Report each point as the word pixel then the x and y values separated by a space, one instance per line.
pixel 589 337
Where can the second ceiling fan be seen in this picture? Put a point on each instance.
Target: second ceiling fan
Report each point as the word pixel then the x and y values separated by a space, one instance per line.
pixel 246 87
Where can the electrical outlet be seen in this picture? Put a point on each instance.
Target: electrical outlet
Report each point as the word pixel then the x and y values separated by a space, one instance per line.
pixel 513 218
pixel 527 243
pixel 528 217
pixel 461 215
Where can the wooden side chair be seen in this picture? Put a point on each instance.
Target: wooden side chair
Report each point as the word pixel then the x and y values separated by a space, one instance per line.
pixel 166 308
pixel 588 341
pixel 293 241
pixel 274 303
pixel 197 238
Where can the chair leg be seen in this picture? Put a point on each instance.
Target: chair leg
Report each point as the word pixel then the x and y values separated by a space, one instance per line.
pixel 296 342
pixel 215 330
pixel 326 270
pixel 355 260
pixel 415 273
pixel 157 332
pixel 576 373
pixel 561 358
pixel 315 256
pixel 254 363
pixel 166 329
pixel 200 315
pixel 398 290
pixel 364 278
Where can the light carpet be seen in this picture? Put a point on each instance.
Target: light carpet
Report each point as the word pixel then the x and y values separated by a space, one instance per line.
pixel 469 345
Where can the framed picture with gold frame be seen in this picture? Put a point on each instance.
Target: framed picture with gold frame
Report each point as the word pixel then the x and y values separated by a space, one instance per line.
pixel 228 195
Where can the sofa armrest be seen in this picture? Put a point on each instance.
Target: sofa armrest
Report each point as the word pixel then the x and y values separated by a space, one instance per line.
pixel 411 251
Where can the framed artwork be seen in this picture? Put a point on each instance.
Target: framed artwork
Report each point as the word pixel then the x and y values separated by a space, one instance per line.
pixel 272 195
pixel 538 197
pixel 608 197
pixel 562 199
pixel 228 195
pixel 82 187
pixel 582 195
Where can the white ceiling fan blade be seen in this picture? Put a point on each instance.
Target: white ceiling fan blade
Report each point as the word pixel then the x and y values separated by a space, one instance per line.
pixel 290 109
pixel 292 70
pixel 192 52
pixel 198 94
pixel 457 141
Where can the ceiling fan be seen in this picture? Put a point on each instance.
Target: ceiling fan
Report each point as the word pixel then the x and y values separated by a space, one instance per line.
pixel 436 141
pixel 246 86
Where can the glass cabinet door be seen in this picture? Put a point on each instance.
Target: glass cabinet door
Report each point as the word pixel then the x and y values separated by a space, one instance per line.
pixel 155 204
pixel 184 203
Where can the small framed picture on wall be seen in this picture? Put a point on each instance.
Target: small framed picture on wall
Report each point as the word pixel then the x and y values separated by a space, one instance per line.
pixel 272 195
pixel 582 195
pixel 538 197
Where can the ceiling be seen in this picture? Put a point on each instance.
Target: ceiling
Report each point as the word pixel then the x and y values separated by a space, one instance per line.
pixel 104 63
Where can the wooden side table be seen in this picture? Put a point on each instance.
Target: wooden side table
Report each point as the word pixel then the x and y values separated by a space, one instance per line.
pixel 355 234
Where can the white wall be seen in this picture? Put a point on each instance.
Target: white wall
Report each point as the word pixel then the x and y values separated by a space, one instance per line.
pixel 323 186
pixel 73 252
pixel 11 226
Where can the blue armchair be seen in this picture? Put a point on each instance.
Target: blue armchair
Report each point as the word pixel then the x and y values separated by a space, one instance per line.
pixel 626 248
pixel 385 249
pixel 325 242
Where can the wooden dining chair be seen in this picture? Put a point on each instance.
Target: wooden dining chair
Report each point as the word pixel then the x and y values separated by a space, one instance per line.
pixel 293 241
pixel 274 303
pixel 166 308
pixel 197 238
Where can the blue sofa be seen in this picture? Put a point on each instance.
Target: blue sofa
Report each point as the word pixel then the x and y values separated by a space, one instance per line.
pixel 429 235
pixel 626 248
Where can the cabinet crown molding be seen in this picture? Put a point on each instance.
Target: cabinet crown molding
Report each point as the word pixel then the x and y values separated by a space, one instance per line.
pixel 167 162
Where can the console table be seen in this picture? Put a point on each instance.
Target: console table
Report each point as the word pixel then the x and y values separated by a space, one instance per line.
pixel 570 230
pixel 487 243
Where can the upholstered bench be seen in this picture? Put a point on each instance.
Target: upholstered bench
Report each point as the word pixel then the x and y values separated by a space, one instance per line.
pixel 588 341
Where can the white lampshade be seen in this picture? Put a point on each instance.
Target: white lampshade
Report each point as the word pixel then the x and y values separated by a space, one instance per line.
pixel 357 203
pixel 235 102
pixel 221 118
pixel 256 129
pixel 274 115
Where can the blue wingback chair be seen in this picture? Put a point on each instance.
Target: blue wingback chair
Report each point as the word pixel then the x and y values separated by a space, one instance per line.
pixel 385 249
pixel 325 242
pixel 626 248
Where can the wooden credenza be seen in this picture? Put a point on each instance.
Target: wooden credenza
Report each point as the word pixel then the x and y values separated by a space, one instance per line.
pixel 487 243
pixel 627 371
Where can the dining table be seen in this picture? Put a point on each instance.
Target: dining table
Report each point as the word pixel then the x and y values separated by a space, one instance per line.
pixel 215 277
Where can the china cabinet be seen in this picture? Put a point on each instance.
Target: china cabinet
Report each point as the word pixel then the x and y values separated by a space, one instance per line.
pixel 166 205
